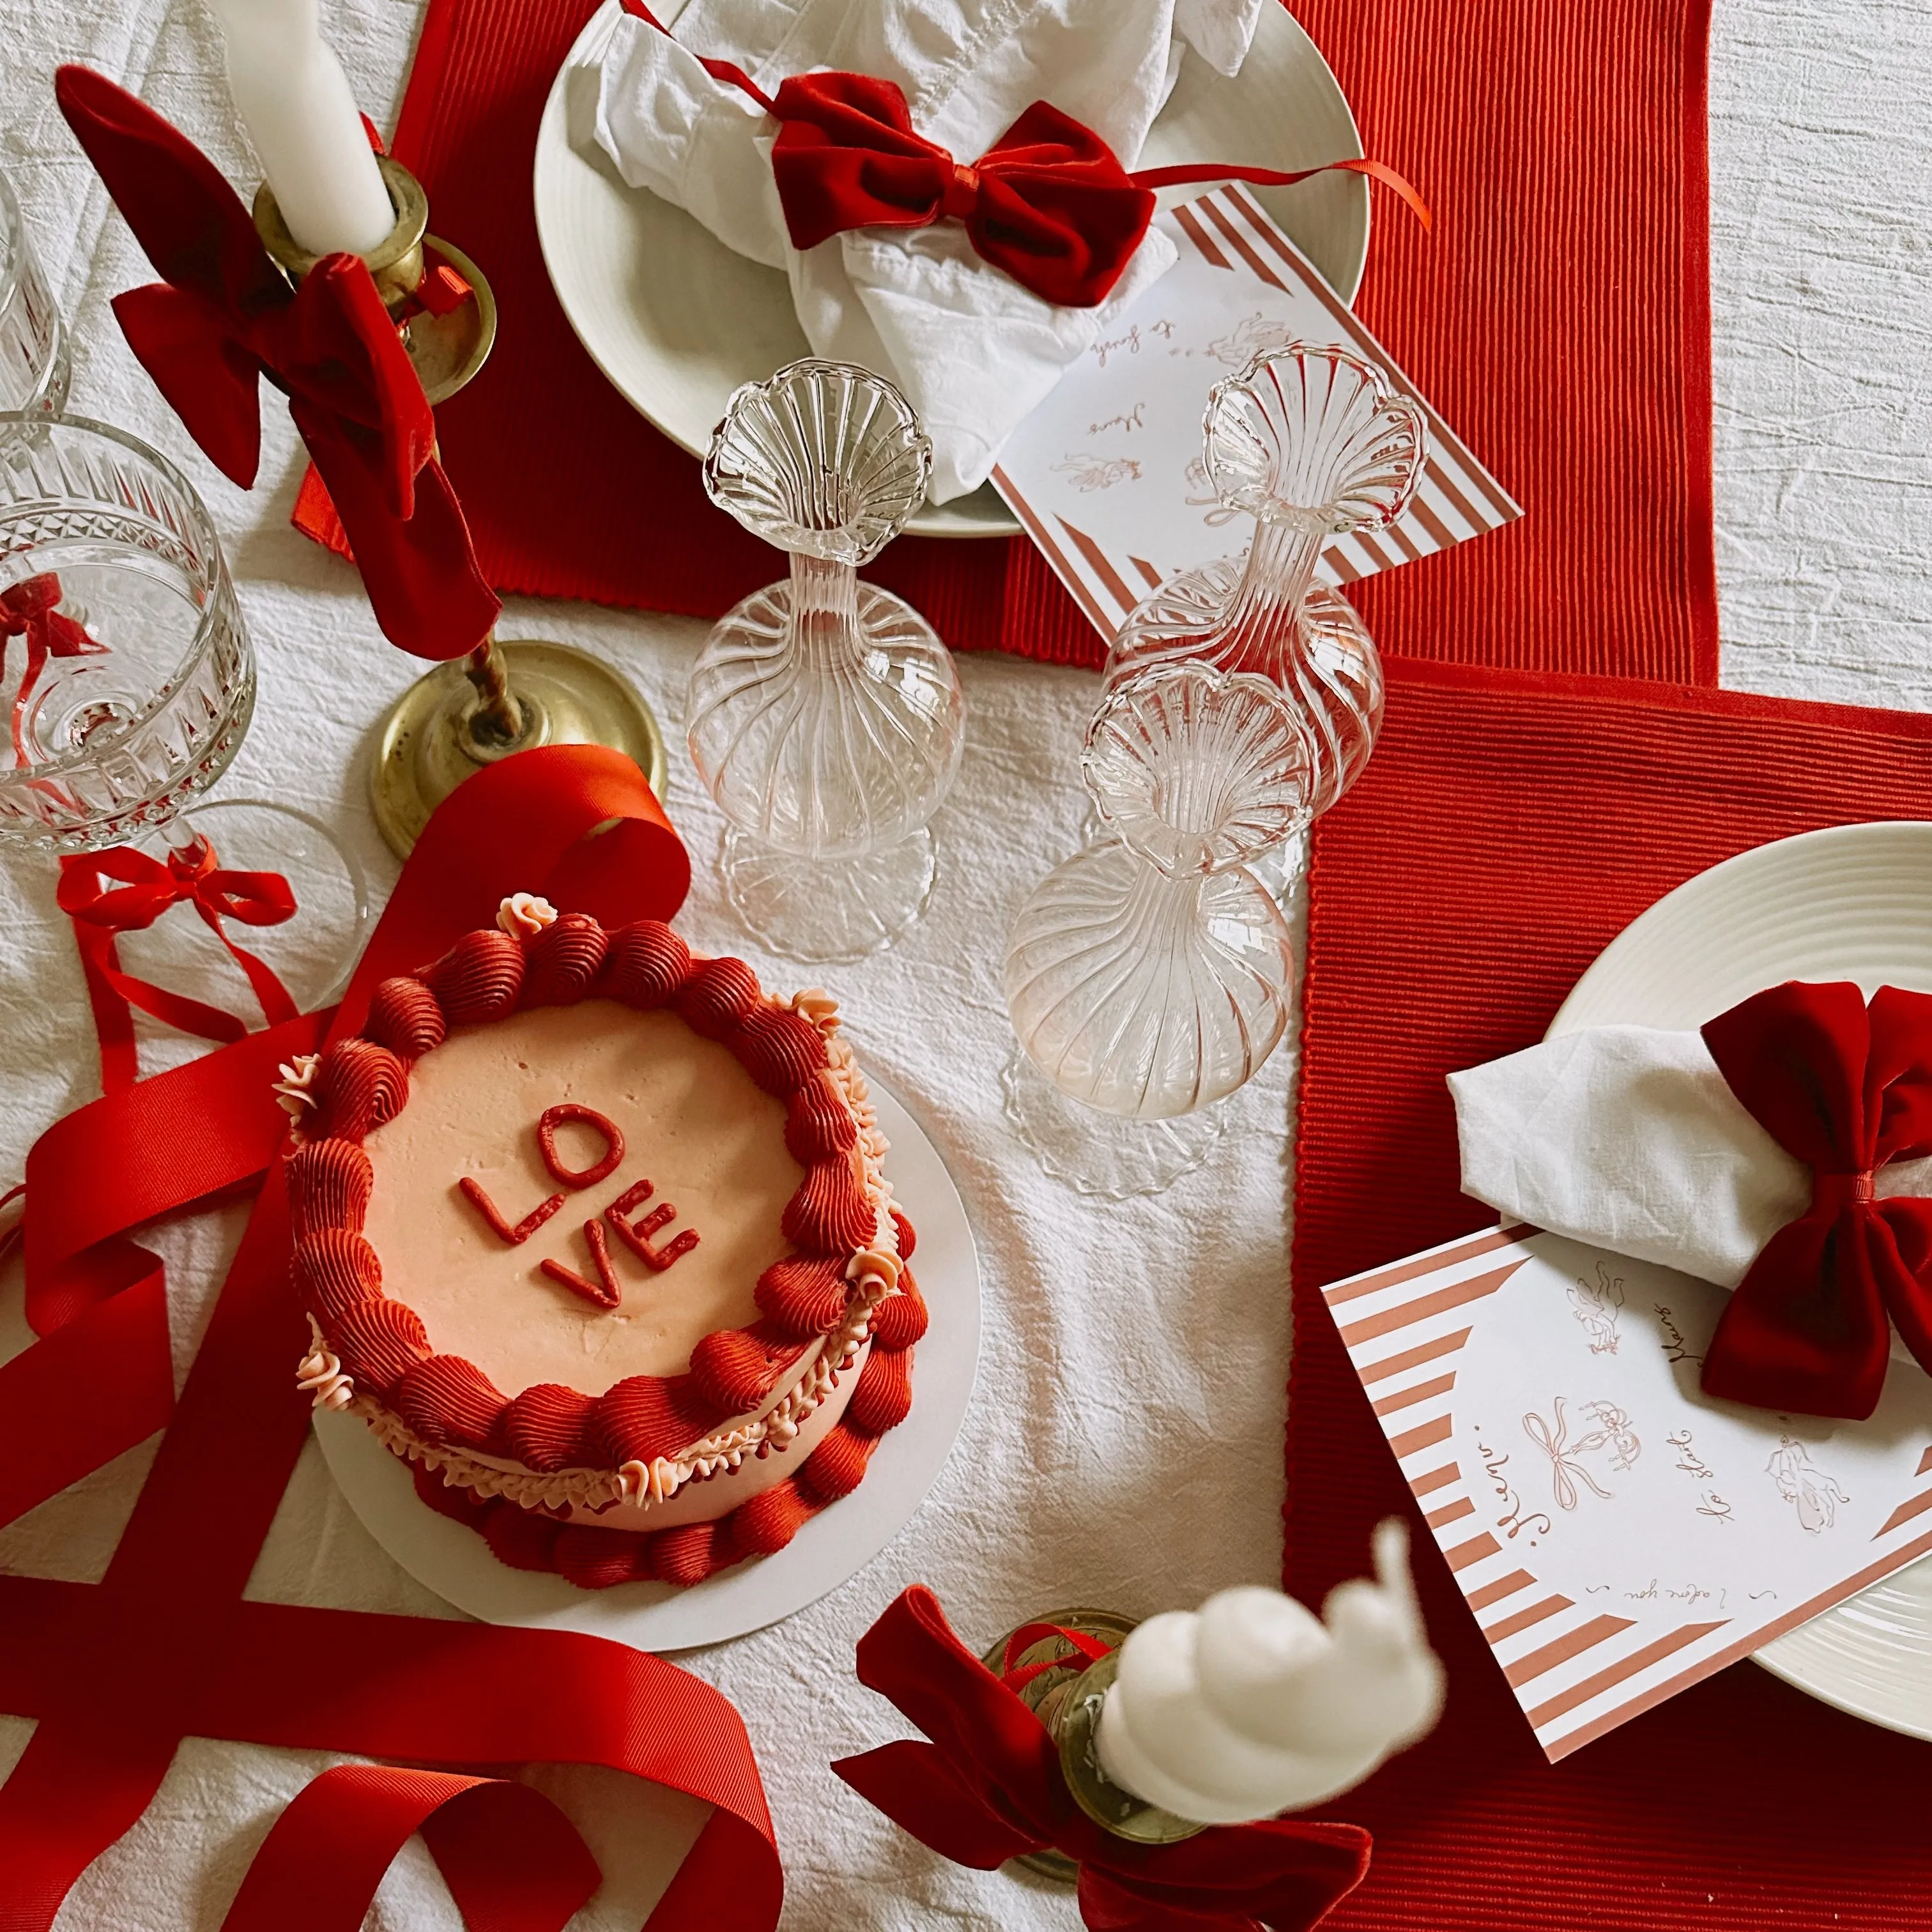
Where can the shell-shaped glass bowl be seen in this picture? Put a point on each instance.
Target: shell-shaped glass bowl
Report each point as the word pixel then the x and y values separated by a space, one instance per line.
pixel 825 458
pixel 1197 771
pixel 1312 435
pixel 826 741
pixel 1146 996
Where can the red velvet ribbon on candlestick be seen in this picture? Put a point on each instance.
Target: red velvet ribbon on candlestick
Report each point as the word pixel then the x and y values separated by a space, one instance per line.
pixel 148 888
pixel 1048 202
pixel 1846 1088
pixel 165 1645
pixel 988 1788
pixel 223 316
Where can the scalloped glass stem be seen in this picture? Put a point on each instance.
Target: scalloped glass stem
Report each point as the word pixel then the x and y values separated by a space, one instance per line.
pixel 1266 614
pixel 1146 996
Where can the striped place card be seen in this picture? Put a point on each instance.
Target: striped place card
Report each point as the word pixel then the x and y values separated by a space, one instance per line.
pixel 1617 1534
pixel 1107 476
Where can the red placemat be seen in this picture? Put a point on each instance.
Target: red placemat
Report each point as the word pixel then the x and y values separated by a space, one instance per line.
pixel 1508 827
pixel 1558 316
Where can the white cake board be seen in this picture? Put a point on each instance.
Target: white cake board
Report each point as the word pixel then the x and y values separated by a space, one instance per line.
pixel 455 1562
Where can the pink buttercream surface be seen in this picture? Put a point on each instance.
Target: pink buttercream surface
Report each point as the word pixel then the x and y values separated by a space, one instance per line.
pixel 695 1123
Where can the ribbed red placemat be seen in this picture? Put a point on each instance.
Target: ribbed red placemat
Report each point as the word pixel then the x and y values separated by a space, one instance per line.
pixel 1558 316
pixel 1508 827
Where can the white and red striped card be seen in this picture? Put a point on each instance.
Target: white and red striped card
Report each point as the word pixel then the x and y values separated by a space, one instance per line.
pixel 1106 475
pixel 1617 1534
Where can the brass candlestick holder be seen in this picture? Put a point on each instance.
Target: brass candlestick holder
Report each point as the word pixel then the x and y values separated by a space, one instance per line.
pixel 508 694
pixel 1066 1698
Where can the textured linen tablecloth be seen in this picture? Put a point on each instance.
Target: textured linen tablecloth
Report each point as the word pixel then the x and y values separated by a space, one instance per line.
pixel 1123 1445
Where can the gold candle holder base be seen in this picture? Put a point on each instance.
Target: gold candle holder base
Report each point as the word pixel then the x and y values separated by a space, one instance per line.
pixel 1067 1700
pixel 447 350
pixel 506 697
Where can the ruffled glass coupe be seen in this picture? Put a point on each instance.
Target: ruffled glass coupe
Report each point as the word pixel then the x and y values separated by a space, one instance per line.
pixel 129 682
pixel 1150 975
pixel 1312 442
pixel 823 714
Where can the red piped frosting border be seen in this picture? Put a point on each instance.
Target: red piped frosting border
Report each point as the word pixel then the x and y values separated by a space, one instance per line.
pixel 372 1354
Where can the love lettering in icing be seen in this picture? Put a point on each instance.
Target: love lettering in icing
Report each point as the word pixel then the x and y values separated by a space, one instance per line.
pixel 604 1289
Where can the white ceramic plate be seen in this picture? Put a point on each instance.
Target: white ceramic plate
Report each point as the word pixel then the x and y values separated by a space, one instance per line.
pixel 1854 902
pixel 456 1563
pixel 677 321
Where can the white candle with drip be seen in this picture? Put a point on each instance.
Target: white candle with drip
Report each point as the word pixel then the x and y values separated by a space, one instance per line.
pixel 294 100
pixel 1251 1707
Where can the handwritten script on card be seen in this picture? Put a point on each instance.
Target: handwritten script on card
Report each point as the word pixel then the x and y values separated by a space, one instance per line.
pixel 1617 1534
pixel 1106 474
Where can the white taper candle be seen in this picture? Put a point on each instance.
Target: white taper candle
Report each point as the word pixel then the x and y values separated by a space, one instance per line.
pixel 294 100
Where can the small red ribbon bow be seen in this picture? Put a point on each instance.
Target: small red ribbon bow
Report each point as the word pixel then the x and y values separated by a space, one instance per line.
pixel 1846 1088
pixel 222 316
pixel 30 609
pixel 988 1788
pixel 148 887
pixel 1049 201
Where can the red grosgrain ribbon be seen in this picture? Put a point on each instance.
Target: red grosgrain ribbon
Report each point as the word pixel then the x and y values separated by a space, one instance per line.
pixel 117 1672
pixel 222 316
pixel 1049 201
pixel 29 610
pixel 148 888
pixel 988 1787
pixel 1846 1088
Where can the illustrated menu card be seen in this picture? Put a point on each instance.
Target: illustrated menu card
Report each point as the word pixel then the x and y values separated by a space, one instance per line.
pixel 1107 474
pixel 1617 1534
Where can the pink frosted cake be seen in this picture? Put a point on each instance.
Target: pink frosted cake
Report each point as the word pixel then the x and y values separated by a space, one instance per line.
pixel 597 1236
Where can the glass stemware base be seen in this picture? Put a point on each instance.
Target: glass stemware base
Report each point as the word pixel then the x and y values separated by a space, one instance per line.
pixel 829 911
pixel 312 954
pixel 1103 1156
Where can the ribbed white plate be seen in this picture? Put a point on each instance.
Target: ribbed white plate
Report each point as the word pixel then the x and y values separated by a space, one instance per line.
pixel 677 321
pixel 456 1563
pixel 1854 902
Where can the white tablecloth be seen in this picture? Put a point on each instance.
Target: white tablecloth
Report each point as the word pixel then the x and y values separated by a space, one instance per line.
pixel 1124 1447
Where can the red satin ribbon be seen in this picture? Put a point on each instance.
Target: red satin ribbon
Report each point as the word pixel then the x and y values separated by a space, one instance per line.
pixel 28 610
pixel 116 1673
pixel 148 887
pixel 1016 1675
pixel 222 316
pixel 988 1788
pixel 1847 1089
pixel 1049 201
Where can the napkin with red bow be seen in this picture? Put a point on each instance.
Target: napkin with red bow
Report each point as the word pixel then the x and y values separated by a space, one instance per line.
pixel 1785 1151
pixel 974 349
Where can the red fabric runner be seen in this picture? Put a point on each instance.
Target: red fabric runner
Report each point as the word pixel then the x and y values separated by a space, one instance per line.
pixel 1558 316
pixel 1507 830
pixel 118 1673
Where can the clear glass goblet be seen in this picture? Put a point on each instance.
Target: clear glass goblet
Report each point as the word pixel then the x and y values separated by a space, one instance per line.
pixel 1150 975
pixel 823 714
pixel 33 364
pixel 129 681
pixel 1312 443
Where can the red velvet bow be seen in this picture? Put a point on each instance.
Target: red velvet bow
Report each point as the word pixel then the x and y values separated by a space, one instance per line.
pixel 1049 201
pixel 1846 1088
pixel 28 610
pixel 222 316
pixel 147 888
pixel 988 1788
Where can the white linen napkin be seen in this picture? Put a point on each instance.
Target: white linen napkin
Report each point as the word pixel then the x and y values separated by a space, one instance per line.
pixel 1628 1138
pixel 972 350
